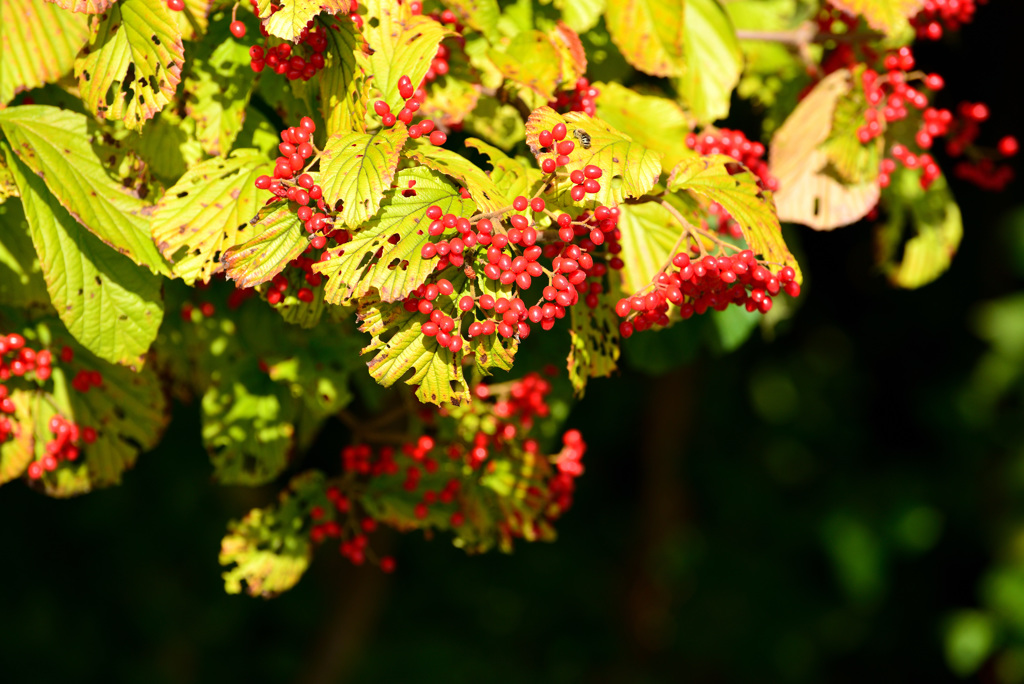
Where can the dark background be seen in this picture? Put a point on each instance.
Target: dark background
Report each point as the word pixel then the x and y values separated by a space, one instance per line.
pixel 823 506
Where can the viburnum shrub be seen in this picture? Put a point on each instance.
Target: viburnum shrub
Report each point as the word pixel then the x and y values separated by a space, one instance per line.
pixel 426 226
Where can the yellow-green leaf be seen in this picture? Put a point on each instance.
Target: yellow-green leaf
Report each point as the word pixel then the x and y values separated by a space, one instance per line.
pixel 217 90
pixel 650 34
pixel 714 61
pixel 342 84
pixel 207 212
pixel 111 306
pixel 38 44
pixel 357 168
pixel 57 145
pixel 403 44
pixel 649 232
pixel 132 64
pixel 532 61
pixel 657 123
pixel 86 6
pixel 741 196
pixel 594 340
pixel 353 269
pixel 482 189
pixel 288 21
pixel 279 239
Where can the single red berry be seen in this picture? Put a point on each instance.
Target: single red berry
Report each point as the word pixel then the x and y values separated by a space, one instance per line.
pixel 548 165
pixel 176 5
pixel 387 564
pixel 237 29
pixel 438 138
pixel 1008 146
pixel 519 203
pixel 559 131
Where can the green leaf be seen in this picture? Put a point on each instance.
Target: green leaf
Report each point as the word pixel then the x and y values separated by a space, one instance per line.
pixel 402 352
pixel 207 212
pixel 741 196
pixel 500 123
pixel 649 231
pixel 454 96
pixel 852 160
pixel 353 269
pixel 511 176
pixel 481 188
pixel 887 16
pixel 657 123
pixel 21 277
pixel 935 221
pixel 109 304
pixel 319 372
pixel 714 61
pixel 970 639
pixel 194 20
pixel 268 550
pixel 132 64
pixel 39 43
pixel 357 168
pixel 532 61
pixel 650 34
pixel 479 15
pixel 86 6
pixel 594 339
pixel 287 23
pixel 581 15
pixel 55 144
pixel 342 84
pixel 279 239
pixel 170 146
pixel 247 425
pixel 217 90
pixel 403 44
pixel 808 192
pixel 630 169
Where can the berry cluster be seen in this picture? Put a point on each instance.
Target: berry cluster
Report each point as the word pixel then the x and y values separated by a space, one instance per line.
pixel 85 380
pixel 65 446
pixel 555 143
pixel 23 360
pixel 283 59
pixel 414 98
pixel 938 16
pixel 582 98
pixel 6 407
pixel 981 168
pixel 707 283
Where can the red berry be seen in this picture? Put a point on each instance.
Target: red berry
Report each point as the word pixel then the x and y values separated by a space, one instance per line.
pixel 237 29
pixel 559 131
pixel 438 138
pixel 1008 146
pixel 176 5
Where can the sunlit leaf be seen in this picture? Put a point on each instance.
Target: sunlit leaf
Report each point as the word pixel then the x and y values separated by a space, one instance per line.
pixel 293 15
pixel 21 277
pixel 341 82
pixel 649 232
pixel 481 188
pixel 207 212
pixel 279 238
pixel 594 336
pixel 87 6
pixel 657 123
pixel 218 86
pixel 132 64
pixel 650 34
pixel 112 306
pixel 354 269
pixel 38 43
pixel 357 168
pixel 531 60
pixel 56 145
pixel 714 61
pixel 888 16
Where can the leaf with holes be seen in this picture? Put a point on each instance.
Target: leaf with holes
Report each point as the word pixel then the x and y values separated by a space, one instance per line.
pixel 218 86
pixel 109 304
pixel 936 224
pixel 268 550
pixel 630 169
pixel 248 425
pixel 354 268
pixel 403 44
pixel 292 16
pixel 39 43
pixel 739 194
pixel 808 192
pixel 207 212
pixel 594 339
pixel 132 65
pixel 650 34
pixel 357 168
pixel 481 188
pixel 714 61
pixel 657 123
pixel 279 239
pixel 510 175
pixel 56 145
pixel 402 352
pixel 887 16
pixel 342 83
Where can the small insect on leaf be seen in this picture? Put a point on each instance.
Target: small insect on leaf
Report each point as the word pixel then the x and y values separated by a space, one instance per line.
pixel 583 137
